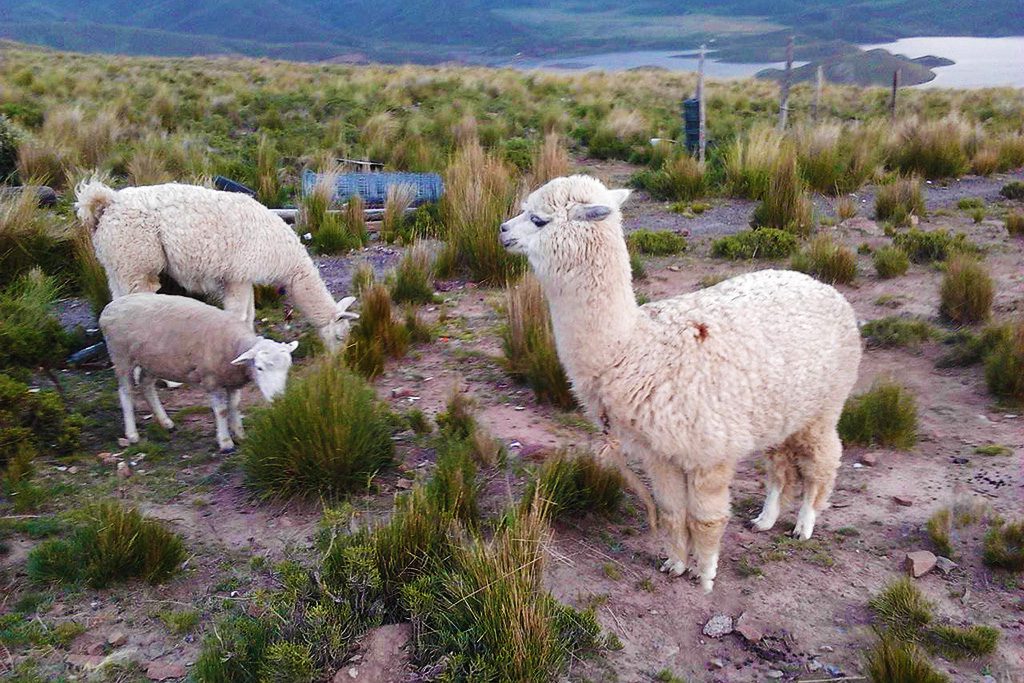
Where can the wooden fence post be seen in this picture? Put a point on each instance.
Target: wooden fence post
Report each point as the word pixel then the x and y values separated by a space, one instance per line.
pixel 819 85
pixel 703 138
pixel 784 94
pixel 895 87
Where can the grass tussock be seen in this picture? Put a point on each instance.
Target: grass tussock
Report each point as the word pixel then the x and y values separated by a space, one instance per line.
pixel 268 162
pixel 785 204
pixel 1012 190
pixel 963 642
pixel 457 424
pixel 399 199
pixel 967 291
pixel 92 278
pixel 1004 362
pixel 326 227
pixel 846 208
pixel 1014 224
pixel 903 610
pixel 326 436
pixel 969 348
pixel 885 415
pixel 529 344
pixel 30 237
pixel 479 191
pixel 940 530
pixel 922 246
pixel 835 159
pixel 1004 546
pixel 896 332
pixel 890 262
pixel 413 278
pixel 763 243
pixel 681 178
pixel 550 161
pixel 826 260
pixel 656 243
pixel 933 149
pixel 893 661
pixel 30 335
pixel 108 544
pixel 750 161
pixel 899 200
pixel 574 485
pixel 377 335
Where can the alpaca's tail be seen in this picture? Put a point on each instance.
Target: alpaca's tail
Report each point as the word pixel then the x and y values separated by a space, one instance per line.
pixel 92 198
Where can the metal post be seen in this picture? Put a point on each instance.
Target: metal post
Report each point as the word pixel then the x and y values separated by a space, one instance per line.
pixel 784 96
pixel 701 99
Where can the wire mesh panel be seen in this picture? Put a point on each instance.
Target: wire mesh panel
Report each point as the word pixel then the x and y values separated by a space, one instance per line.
pixel 373 187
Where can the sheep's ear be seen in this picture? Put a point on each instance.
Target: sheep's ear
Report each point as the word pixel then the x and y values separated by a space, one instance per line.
pixel 245 357
pixel 620 196
pixel 292 346
pixel 590 213
pixel 341 311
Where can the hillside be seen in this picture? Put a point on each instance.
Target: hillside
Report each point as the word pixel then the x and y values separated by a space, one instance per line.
pixel 871 67
pixel 472 30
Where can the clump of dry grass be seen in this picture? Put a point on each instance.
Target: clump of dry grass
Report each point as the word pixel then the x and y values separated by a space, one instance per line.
pixel 967 291
pixel 268 179
pixel 92 278
pixel 29 236
pixel 827 261
pixel 931 148
pixel 1015 223
pixel 377 335
pixel 785 204
pixel 846 208
pixel 412 278
pixel 1004 545
pixel 750 162
pixel 550 161
pixel 899 200
pixel 147 167
pixel 1004 364
pixel 399 199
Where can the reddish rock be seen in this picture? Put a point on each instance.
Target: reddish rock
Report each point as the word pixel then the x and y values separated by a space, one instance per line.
pixel 385 656
pixel 750 627
pixel 117 638
pixel 163 671
pixel 869 459
pixel 919 563
pixel 900 500
pixel 85 661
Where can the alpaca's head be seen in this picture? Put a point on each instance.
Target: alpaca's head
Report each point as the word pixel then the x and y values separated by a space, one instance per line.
pixel 565 220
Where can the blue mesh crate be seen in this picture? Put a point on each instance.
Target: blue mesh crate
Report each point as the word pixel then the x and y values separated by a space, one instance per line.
pixel 373 187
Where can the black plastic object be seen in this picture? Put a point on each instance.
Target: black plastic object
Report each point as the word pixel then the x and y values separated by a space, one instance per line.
pixel 691 123
pixel 87 354
pixel 229 185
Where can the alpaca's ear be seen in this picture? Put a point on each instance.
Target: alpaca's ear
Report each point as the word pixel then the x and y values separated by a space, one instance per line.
pixel 620 196
pixel 590 213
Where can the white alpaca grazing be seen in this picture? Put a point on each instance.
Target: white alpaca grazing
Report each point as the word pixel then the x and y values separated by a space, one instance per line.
pixel 690 385
pixel 184 340
pixel 210 242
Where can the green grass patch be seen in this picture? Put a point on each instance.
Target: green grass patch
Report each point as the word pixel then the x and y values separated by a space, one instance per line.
pixel 922 246
pixel 656 243
pixel 956 642
pixel 885 415
pixel 1013 190
pixel 896 332
pixel 893 661
pixel 573 485
pixel 903 610
pixel 1004 364
pixel 890 262
pixel 940 529
pixel 899 200
pixel 763 243
pixel 412 281
pixel 967 291
pixel 1004 545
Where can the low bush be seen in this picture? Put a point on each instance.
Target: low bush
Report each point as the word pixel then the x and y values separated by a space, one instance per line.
pixel 896 332
pixel 966 292
pixel 969 203
pixel 763 243
pixel 827 261
pixel 656 243
pixel 1015 223
pixel 1004 362
pixel 109 543
pixel 1013 190
pixel 32 423
pixel 969 348
pixel 1004 546
pixel 573 485
pixel 885 415
pixel 890 262
pixel 936 245
pixel 786 204
pixel 326 436
pixel 528 342
pixel 376 336
pixel 413 278
pixel 899 200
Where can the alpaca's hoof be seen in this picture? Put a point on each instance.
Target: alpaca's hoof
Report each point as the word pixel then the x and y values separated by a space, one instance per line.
pixel 763 522
pixel 804 524
pixel 707 585
pixel 132 438
pixel 227 450
pixel 673 567
pixel 169 425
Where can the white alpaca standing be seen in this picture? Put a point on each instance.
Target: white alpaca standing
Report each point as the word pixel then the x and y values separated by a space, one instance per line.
pixel 692 384
pixel 217 243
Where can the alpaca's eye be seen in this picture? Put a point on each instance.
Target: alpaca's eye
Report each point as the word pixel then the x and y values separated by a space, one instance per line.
pixel 538 221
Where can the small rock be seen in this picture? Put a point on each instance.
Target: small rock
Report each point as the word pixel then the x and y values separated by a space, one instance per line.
pixel 750 628
pixel 117 638
pixel 95 648
pixel 162 671
pixel 988 679
pixel 900 500
pixel 353 672
pixel 858 465
pixel 833 671
pixel 919 563
pixel 123 442
pixel 869 459
pixel 85 661
pixel 401 392
pixel 717 663
pixel 404 484
pixel 718 626
pixel 813 665
pixel 945 565
pixel 73 469
pixel 827 648
pixel 106 458
pixel 959 460
pixel 124 470
pixel 775 673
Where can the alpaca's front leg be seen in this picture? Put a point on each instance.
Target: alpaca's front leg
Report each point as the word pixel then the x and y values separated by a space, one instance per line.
pixel 219 403
pixel 708 514
pixel 669 483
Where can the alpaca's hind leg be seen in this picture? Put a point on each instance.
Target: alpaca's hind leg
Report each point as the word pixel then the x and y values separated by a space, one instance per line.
pixel 707 515
pixel 148 384
pixel 669 484
pixel 782 474
pixel 240 299
pixel 818 464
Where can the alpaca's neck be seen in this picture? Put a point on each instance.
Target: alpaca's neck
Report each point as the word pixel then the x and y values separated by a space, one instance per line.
pixel 310 295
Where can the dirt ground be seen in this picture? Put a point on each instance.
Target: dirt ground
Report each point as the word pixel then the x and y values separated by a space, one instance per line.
pixel 807 599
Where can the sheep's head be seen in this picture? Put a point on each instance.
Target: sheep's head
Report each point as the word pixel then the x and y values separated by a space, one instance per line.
pixel 564 211
pixel 268 362
pixel 336 332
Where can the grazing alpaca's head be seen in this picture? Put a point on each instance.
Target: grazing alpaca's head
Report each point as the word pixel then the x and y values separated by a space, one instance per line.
pixel 568 223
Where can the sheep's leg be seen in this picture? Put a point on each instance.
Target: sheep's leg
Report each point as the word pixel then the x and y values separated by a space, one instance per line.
pixel 708 513
pixel 818 467
pixel 782 474
pixel 219 401
pixel 148 384
pixel 240 299
pixel 234 416
pixel 124 393
pixel 669 483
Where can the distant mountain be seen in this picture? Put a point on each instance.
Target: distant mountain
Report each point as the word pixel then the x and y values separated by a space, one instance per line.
pixel 482 30
pixel 858 67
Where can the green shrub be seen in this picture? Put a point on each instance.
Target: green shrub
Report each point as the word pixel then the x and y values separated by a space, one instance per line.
pixel 785 205
pixel 1004 546
pixel 955 642
pixel 31 424
pixel 895 332
pixel 528 342
pixel 8 150
pixel 29 334
pixel 575 485
pixel 827 261
pixel 413 278
pixel 892 661
pixel 235 651
pixel 1015 223
pixel 902 610
pixel 935 245
pixel 765 243
pixel 970 349
pixel 890 262
pixel 899 200
pixel 967 291
pixel 1004 363
pixel 656 243
pixel 886 415
pixel 1013 190
pixel 680 178
pixel 376 336
pixel 109 543
pixel 328 435
pixel 969 203
pixel 977 215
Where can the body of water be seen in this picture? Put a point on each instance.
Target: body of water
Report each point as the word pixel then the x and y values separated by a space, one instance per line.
pixel 980 62
pixel 674 60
